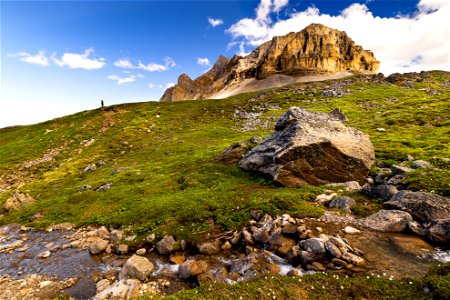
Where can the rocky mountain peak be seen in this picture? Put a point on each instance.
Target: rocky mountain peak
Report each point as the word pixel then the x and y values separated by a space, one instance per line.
pixel 315 53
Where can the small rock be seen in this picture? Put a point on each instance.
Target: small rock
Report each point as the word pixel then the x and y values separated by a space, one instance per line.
pixel 102 285
pixel 116 235
pixel 44 284
pixel 98 246
pixel 104 187
pixel 440 231
pixel 192 268
pixel 315 245
pixel 416 228
pixel 324 198
pixel 141 251
pixel 396 169
pixel 150 238
pixel 177 258
pixel 137 267
pixel 90 168
pixel 353 259
pixel 350 230
pixel 421 164
pixel 44 254
pixel 122 248
pixel 209 248
pixel 84 188
pixel 342 202
pixel 167 245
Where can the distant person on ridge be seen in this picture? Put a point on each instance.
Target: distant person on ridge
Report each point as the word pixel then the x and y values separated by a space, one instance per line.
pixel 103 104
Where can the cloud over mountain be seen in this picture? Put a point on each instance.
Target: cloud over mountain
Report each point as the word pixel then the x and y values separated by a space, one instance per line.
pixel 403 43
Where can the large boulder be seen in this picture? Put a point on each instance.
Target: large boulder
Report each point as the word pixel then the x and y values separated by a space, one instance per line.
pixel 387 221
pixel 192 268
pixel 311 148
pixel 423 207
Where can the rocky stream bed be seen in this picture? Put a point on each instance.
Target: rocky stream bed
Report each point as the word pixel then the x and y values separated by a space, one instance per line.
pixel 44 264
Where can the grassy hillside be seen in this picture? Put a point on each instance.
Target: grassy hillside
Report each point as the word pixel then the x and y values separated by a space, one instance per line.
pixel 167 174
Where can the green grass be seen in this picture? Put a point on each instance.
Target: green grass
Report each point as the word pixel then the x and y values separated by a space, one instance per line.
pixel 174 182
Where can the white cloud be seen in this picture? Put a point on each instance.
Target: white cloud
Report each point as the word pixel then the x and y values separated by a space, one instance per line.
pixel 38 59
pixel 152 67
pixel 215 22
pixel 122 80
pixel 203 62
pixel 170 84
pixel 80 61
pixel 124 63
pixel 151 85
pixel 402 44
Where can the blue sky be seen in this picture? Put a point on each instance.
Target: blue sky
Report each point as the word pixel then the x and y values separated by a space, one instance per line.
pixel 60 57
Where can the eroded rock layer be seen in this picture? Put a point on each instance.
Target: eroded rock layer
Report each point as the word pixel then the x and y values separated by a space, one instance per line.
pixel 314 51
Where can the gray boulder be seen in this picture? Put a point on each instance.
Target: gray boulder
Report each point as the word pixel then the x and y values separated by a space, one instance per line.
pixel 342 202
pixel 386 221
pixel 423 207
pixel 440 232
pixel 311 148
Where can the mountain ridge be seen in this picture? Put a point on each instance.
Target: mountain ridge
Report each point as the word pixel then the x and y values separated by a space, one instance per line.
pixel 315 53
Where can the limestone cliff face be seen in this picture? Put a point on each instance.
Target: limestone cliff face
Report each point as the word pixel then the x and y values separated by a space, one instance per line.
pixel 316 50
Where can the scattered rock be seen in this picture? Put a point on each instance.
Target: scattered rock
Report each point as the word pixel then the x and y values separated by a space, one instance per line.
pixel 314 245
pixel 325 198
pixel 141 251
pixel 387 221
pixel 209 248
pixel 137 267
pixel 423 207
pixel 311 148
pixel 116 236
pixel 440 231
pixel 122 248
pixel 350 230
pixel 342 202
pixel 348 186
pixel 192 268
pixel 416 228
pixel 104 187
pixel 281 244
pixel 167 245
pixel 44 254
pixel 421 164
pixel 401 170
pixel 84 188
pixel 98 247
pixel 90 168
pixel 17 201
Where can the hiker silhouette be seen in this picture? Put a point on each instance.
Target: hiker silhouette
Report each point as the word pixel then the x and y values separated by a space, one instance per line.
pixel 103 104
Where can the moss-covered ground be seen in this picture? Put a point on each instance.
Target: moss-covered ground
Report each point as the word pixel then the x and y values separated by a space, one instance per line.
pixel 171 178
